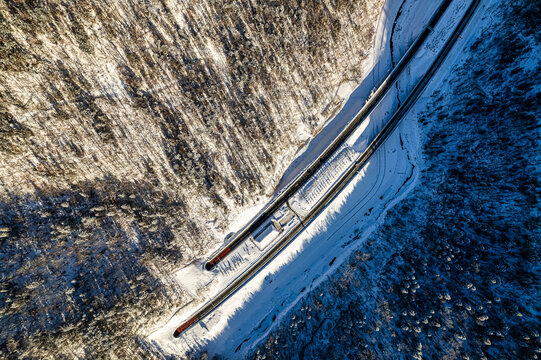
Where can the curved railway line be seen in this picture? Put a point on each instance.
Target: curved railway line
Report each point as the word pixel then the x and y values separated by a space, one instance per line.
pixel 348 175
pixel 302 178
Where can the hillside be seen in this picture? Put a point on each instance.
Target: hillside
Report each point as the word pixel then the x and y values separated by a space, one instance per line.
pixel 131 132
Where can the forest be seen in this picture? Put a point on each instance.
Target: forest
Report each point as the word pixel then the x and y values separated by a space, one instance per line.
pixel 130 133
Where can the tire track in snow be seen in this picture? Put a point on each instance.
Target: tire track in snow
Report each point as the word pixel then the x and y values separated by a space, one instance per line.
pixel 391 44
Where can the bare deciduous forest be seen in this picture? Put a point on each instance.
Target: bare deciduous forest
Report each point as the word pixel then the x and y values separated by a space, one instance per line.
pixel 129 130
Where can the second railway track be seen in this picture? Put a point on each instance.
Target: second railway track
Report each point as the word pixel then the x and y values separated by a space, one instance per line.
pixel 372 102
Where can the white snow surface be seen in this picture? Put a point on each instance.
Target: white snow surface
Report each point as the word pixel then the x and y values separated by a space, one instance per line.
pixel 254 310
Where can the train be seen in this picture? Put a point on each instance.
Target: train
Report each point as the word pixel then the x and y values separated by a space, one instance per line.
pixel 294 212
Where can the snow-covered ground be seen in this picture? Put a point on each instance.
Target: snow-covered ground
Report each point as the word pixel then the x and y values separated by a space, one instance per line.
pixel 391 305
pixel 237 325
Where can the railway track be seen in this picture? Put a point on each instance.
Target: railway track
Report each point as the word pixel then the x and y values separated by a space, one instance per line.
pixel 348 176
pixel 300 180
